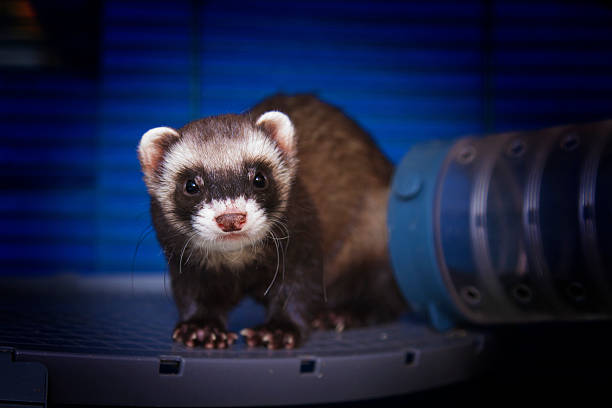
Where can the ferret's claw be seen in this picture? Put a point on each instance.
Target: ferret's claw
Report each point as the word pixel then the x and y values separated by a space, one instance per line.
pixel 337 321
pixel 272 337
pixel 209 336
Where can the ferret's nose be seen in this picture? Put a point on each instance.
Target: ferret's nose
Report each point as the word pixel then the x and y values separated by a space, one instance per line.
pixel 231 222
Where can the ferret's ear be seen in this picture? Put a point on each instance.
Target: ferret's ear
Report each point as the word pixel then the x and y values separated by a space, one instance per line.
pixel 279 127
pixel 152 147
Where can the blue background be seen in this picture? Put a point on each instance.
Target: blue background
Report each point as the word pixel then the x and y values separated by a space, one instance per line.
pixel 72 199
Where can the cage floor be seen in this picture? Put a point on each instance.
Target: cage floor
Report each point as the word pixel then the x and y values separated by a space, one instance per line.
pixel 107 341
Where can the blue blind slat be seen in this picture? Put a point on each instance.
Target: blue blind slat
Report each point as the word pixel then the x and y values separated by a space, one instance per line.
pixel 146 82
pixel 551 63
pixel 47 158
pixel 47 202
pixel 406 71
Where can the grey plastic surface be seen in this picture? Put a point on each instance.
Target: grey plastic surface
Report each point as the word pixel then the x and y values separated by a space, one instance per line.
pixel 103 343
pixel 21 384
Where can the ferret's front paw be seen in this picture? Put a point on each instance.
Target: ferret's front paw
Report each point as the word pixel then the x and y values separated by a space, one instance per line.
pixel 208 336
pixel 338 321
pixel 273 336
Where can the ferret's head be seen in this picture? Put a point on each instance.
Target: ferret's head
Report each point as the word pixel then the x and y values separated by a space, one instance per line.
pixel 222 181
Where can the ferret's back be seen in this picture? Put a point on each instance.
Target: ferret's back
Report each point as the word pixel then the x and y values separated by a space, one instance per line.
pixel 346 175
pixel 336 155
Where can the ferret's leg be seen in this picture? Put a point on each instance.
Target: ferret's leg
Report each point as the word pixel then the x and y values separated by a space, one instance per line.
pixel 293 290
pixel 203 313
pixel 368 296
pixel 289 312
pixel 290 307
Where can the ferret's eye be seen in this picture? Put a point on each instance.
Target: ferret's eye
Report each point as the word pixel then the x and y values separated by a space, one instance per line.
pixel 259 181
pixel 191 187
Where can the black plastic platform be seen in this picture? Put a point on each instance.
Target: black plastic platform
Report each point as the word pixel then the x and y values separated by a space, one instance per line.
pixel 105 341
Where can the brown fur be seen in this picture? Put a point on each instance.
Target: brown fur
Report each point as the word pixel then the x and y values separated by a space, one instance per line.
pixel 348 179
pixel 332 198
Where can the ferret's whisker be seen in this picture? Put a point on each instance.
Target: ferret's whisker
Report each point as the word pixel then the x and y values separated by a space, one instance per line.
pixel 280 222
pixel 183 252
pixel 285 255
pixel 143 235
pixel 277 264
pixel 189 257
pixel 281 226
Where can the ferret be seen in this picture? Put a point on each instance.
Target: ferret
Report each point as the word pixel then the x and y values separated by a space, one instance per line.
pixel 285 203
